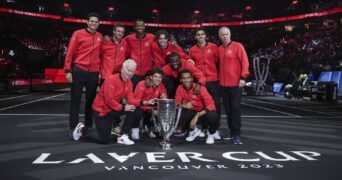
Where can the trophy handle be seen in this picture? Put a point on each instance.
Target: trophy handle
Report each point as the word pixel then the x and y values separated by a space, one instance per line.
pixel 176 124
pixel 156 127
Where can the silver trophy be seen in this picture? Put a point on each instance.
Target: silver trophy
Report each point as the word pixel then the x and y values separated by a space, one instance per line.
pixel 167 121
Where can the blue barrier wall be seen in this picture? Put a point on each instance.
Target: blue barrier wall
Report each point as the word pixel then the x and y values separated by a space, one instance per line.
pixel 335 76
pixel 277 87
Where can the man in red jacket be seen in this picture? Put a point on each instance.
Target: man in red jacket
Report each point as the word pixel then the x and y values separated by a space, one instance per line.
pixel 233 72
pixel 82 66
pixel 163 47
pixel 113 53
pixel 195 106
pixel 146 91
pixel 175 64
pixel 205 57
pixel 139 44
pixel 108 105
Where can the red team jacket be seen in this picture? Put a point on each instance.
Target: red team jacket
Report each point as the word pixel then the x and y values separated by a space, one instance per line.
pixel 141 52
pixel 84 51
pixel 185 65
pixel 112 56
pixel 111 93
pixel 199 102
pixel 146 93
pixel 160 54
pixel 205 60
pixel 234 64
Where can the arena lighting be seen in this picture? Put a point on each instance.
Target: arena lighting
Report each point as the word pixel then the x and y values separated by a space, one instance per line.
pixel 294 2
pixel 289 28
pixel 232 23
pixel 248 8
pixel 111 8
pixel 66 5
pixel 26 13
pixel 221 14
pixel 155 11
pixel 196 12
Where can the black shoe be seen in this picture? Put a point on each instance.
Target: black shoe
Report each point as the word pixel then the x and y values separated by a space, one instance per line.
pixel 70 134
pixel 179 133
pixel 237 140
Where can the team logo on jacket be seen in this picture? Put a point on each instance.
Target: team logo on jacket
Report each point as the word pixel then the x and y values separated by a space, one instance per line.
pixel 98 39
pixel 122 49
pixel 229 51
pixel 147 44
pixel 209 51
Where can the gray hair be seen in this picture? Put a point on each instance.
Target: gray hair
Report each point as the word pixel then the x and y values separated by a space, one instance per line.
pixel 225 28
pixel 128 63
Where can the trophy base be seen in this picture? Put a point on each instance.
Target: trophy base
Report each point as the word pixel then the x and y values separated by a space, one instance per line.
pixel 165 145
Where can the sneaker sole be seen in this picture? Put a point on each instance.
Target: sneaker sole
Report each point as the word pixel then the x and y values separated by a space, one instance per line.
pixel 238 143
pixel 179 135
pixel 114 133
pixel 194 138
pixel 201 135
pixel 119 142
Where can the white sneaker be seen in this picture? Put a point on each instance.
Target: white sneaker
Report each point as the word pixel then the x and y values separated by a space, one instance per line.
pixel 152 135
pixel 135 133
pixel 217 135
pixel 123 139
pixel 202 133
pixel 193 134
pixel 210 138
pixel 78 131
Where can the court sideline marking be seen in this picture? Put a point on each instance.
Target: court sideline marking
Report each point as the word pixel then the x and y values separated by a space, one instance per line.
pixel 271 110
pixel 319 112
pixel 15 97
pixel 42 99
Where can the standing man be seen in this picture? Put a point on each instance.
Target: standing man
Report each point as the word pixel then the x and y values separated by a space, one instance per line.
pixel 233 72
pixel 195 106
pixel 139 44
pixel 205 57
pixel 82 66
pixel 163 47
pixel 113 53
pixel 108 105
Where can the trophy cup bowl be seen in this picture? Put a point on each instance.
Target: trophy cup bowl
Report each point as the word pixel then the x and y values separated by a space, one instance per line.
pixel 167 121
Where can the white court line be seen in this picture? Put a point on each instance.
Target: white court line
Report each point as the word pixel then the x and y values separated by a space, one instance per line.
pixel 270 110
pixel 9 107
pixel 266 116
pixel 319 112
pixel 15 97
